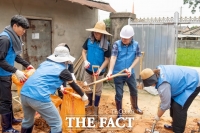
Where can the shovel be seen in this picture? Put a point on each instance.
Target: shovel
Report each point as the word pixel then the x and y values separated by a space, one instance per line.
pixel 152 130
pixel 121 73
pixel 140 86
pixel 93 110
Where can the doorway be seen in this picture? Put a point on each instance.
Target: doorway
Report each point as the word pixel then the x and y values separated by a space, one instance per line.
pixel 38 41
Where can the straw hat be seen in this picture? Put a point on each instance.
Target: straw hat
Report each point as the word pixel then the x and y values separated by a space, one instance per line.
pixel 146 73
pixel 99 27
pixel 61 54
pixel 148 77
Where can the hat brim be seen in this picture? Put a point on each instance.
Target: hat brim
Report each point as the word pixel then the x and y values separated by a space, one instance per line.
pixel 125 36
pixel 61 59
pixel 99 31
pixel 150 81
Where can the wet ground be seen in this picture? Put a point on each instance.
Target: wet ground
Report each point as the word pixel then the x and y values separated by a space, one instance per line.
pixel 146 102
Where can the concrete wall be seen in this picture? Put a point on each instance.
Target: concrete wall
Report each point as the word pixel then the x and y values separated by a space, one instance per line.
pixel 69 20
pixel 118 20
pixel 188 44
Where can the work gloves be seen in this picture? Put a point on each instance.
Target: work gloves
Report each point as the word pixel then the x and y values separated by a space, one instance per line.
pixel 86 64
pixel 98 72
pixel 62 88
pixel 109 74
pixel 84 97
pixel 157 118
pixel 128 71
pixel 30 67
pixel 20 76
pixel 73 77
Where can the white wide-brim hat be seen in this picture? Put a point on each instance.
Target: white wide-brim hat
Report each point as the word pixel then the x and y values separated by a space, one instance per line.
pixel 61 54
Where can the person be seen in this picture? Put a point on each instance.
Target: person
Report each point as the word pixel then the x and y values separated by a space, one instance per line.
pixel 177 87
pixel 10 50
pixel 125 55
pixel 35 94
pixel 96 51
pixel 70 67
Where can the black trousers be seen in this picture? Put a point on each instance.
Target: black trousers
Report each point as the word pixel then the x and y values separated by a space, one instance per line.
pixel 5 95
pixel 179 113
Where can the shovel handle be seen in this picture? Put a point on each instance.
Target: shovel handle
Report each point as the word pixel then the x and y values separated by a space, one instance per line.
pixel 73 94
pixel 121 73
pixel 94 85
pixel 153 127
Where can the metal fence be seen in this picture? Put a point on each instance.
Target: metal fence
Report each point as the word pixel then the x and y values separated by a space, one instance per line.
pixel 157 39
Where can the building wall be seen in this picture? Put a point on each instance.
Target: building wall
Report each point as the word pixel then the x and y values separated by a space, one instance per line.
pixel 69 20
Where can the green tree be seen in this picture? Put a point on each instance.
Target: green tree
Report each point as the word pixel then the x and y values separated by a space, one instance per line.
pixel 107 22
pixel 194 4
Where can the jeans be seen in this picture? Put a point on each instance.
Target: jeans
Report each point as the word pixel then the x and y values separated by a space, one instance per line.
pixel 47 110
pixel 119 84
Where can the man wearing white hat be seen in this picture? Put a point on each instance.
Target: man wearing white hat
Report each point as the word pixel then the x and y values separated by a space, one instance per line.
pixel 125 55
pixel 96 51
pixel 35 94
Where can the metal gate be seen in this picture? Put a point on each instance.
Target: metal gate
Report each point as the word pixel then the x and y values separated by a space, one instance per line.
pixel 158 39
pixel 38 42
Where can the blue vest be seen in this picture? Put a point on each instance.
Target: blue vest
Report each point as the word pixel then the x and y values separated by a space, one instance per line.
pixel 183 81
pixel 10 57
pixel 44 81
pixel 95 54
pixel 126 56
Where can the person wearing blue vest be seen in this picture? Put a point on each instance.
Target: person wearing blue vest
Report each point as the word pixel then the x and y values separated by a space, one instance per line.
pixel 96 51
pixel 36 91
pixel 125 55
pixel 10 50
pixel 177 87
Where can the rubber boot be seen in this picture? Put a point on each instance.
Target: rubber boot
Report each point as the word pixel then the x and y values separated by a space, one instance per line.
pixel 97 100
pixel 6 123
pixel 119 108
pixel 89 99
pixel 168 127
pixel 96 109
pixel 15 121
pixel 26 130
pixel 135 108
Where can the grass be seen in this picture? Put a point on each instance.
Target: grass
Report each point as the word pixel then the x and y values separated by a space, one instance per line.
pixel 188 57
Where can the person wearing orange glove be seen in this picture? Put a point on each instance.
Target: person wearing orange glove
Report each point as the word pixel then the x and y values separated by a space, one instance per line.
pixel 96 51
pixel 10 50
pixel 125 55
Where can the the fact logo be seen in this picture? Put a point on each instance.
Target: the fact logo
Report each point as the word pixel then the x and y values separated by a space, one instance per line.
pixel 104 122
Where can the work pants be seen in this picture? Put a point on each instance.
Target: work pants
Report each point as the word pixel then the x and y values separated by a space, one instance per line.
pixel 179 113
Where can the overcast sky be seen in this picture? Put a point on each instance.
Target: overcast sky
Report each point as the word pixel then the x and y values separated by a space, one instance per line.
pixel 149 8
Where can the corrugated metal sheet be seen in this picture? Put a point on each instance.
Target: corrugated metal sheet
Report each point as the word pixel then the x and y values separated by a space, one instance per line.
pixel 157 40
pixel 94 4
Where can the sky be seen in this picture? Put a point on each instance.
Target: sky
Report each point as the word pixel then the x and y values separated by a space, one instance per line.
pixel 150 8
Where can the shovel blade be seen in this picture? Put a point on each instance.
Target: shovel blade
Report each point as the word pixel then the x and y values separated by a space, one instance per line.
pixel 92 111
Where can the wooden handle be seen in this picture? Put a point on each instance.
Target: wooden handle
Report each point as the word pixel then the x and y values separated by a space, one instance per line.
pixel 141 59
pixel 121 73
pixel 94 85
pixel 73 94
